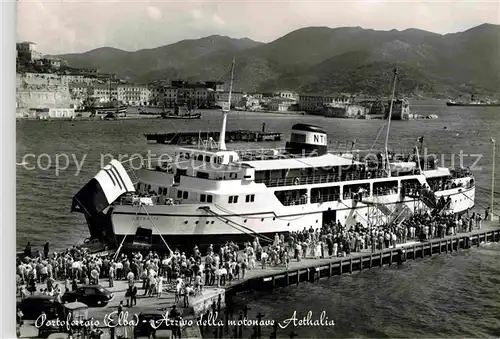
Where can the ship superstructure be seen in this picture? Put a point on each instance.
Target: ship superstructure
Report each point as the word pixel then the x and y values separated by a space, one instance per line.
pixel 212 195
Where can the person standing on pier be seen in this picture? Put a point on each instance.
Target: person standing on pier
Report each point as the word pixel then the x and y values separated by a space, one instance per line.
pixel 160 286
pixel 120 308
pixel 111 275
pixel 27 250
pixel 175 317
pixel 478 220
pixel 487 213
pixel 46 250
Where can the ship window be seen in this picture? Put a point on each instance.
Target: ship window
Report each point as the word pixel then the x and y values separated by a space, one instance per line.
pixel 188 155
pixel 385 188
pixel 203 197
pixel 356 191
pixel 250 198
pixel 230 200
pixel 179 194
pixel 322 194
pixel 292 197
pixel 214 160
pixel 207 158
pixel 301 138
pixel 233 199
pixel 230 158
pixel 184 195
pixel 202 175
pixel 200 157
pixel 209 198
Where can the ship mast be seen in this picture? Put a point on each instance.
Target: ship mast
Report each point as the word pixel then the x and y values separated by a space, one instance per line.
pixel 225 111
pixel 389 122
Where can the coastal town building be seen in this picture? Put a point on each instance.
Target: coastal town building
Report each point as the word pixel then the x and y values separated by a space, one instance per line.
pixel 163 96
pixel 222 98
pixel 103 93
pixel 287 95
pixel 282 104
pixel 26 51
pixel 250 102
pixel 133 95
pixel 200 96
pixel 316 102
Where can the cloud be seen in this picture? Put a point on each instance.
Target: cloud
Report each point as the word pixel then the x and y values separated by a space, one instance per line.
pixel 197 14
pixel 154 13
pixel 218 20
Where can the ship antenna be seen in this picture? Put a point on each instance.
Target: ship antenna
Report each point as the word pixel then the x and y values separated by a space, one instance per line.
pixel 389 122
pixel 225 111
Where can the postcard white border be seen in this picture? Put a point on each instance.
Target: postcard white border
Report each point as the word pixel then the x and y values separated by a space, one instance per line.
pixel 8 169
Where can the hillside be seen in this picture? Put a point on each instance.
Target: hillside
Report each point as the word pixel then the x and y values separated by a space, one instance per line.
pixel 322 59
pixel 134 65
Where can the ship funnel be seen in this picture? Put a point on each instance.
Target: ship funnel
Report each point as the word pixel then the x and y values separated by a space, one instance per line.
pixel 102 190
pixel 307 139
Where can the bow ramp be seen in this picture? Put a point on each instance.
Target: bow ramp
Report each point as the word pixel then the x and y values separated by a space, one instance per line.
pixel 103 189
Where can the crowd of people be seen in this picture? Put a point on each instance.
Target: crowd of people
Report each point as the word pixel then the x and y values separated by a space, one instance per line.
pixel 185 275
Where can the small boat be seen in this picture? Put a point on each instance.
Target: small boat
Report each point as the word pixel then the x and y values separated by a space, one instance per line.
pixel 187 116
pixel 181 112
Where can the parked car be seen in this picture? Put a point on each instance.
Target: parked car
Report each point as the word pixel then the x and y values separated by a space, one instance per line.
pixel 91 295
pixel 94 245
pixel 33 306
pixel 144 328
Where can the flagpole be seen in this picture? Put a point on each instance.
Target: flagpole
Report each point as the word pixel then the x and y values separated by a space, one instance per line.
pixel 493 179
pixel 389 123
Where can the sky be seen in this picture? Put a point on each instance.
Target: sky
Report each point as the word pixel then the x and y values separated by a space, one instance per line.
pixel 78 26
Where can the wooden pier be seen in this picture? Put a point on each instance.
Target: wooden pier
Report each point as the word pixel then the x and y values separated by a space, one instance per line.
pixel 311 270
pixel 187 138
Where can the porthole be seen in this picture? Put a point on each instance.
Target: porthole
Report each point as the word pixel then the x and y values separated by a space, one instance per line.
pixel 196 222
pixel 262 219
pixel 185 222
pixel 288 224
pixel 245 220
pixel 274 218
pixel 208 222
pixel 212 222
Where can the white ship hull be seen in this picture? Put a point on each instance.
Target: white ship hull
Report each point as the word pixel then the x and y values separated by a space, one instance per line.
pixel 180 225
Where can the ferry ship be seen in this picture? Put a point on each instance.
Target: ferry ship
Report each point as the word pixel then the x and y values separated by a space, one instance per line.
pixel 212 195
pixel 472 103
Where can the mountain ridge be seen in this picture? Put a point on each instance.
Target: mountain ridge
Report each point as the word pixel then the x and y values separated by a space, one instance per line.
pixel 321 59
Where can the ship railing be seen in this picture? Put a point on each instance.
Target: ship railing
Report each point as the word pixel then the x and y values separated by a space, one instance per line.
pixel 379 191
pixel 325 198
pixel 356 195
pixel 292 202
pixel 136 199
pixel 320 179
